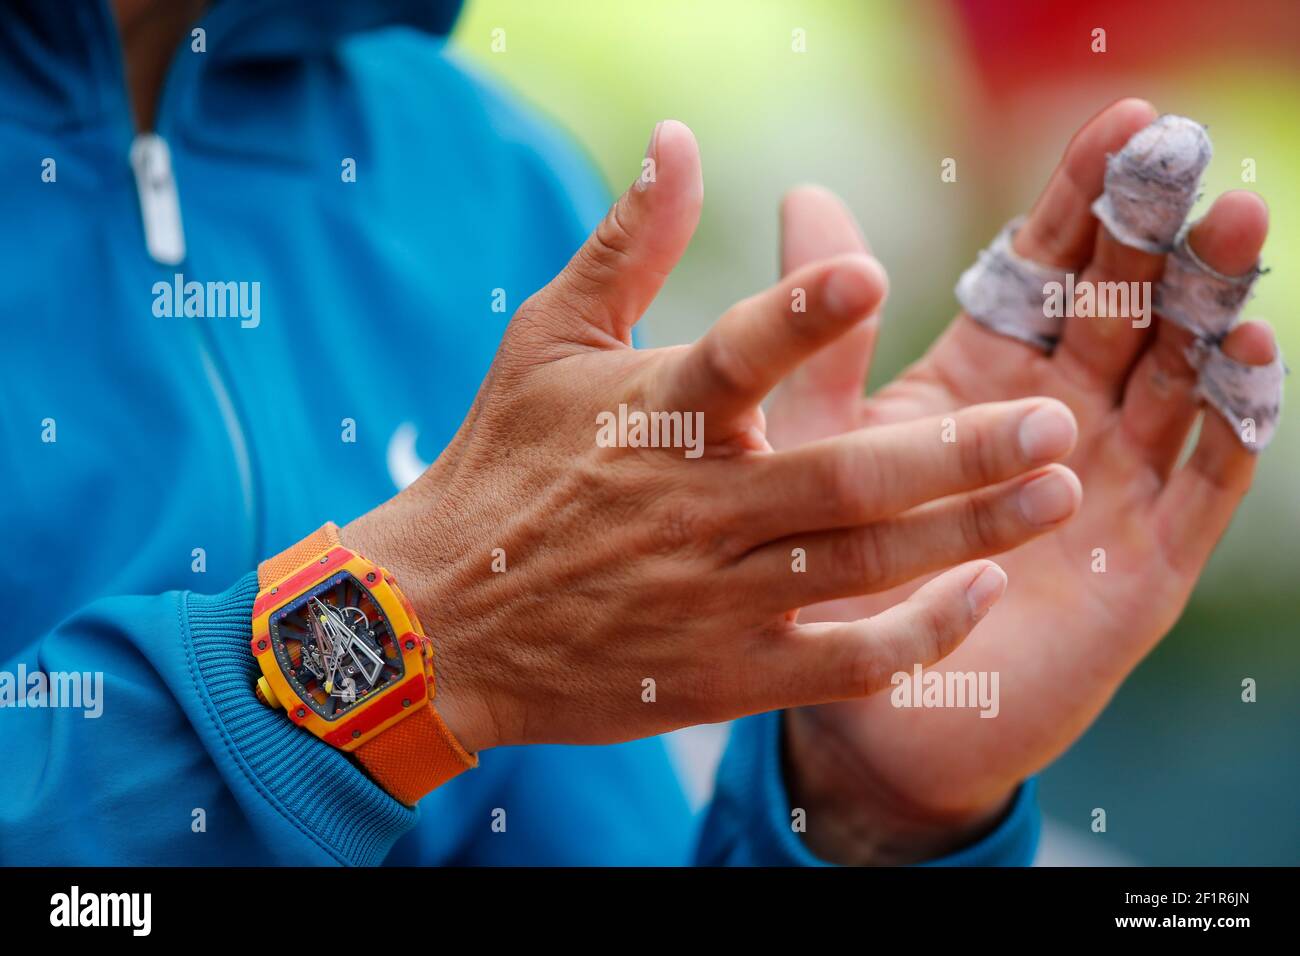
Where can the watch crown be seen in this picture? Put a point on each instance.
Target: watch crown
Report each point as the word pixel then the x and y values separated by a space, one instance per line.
pixel 265 694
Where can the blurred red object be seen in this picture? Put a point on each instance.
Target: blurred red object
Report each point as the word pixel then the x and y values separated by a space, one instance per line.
pixel 1017 43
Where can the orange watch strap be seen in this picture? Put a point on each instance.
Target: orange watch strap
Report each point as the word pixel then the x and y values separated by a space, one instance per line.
pixel 320 541
pixel 418 753
pixel 414 756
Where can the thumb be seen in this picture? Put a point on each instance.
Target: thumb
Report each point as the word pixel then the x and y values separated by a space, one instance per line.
pixel 819 398
pixel 619 270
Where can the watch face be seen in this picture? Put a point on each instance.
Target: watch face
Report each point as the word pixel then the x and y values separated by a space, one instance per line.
pixel 335 646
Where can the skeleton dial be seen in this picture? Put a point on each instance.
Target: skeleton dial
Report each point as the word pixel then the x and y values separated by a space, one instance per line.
pixel 335 646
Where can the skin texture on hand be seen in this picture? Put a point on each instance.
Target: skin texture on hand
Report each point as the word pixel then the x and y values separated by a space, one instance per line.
pixel 1065 634
pixel 632 564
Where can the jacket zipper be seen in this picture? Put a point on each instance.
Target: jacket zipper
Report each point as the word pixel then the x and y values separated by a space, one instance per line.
pixel 160 204
pixel 164 237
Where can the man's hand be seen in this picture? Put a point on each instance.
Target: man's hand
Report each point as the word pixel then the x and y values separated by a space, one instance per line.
pixel 626 565
pixel 894 785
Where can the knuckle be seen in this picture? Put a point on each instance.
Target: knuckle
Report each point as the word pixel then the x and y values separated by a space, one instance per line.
pixel 1046 240
pixel 610 245
pixel 750 687
pixel 930 631
pixel 680 525
pixel 938 631
pixel 866 466
pixel 862 556
pixel 979 453
pixel 981 527
pixel 712 692
pixel 540 318
pixel 838 480
pixel 725 365
pixel 869 669
pixel 530 311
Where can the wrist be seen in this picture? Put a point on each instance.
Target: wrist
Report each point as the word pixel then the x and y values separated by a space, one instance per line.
pixel 854 818
pixel 378 536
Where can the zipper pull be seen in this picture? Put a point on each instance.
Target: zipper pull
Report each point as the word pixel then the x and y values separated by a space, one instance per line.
pixel 160 204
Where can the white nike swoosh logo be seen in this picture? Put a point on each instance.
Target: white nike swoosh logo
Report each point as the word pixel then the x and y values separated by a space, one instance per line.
pixel 404 463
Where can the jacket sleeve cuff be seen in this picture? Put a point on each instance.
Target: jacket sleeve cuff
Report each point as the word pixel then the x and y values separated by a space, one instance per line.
pixel 309 803
pixel 749 822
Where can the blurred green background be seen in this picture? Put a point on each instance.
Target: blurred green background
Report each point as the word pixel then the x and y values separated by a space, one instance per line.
pixel 881 95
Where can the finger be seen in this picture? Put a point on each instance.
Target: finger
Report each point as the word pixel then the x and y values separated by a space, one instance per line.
pixel 1108 325
pixel 1160 401
pixel 1197 504
pixel 823 566
pixel 1099 346
pixel 612 279
pixel 816 225
pixel 816 663
pixel 761 339
pixel 1060 230
pixel 879 472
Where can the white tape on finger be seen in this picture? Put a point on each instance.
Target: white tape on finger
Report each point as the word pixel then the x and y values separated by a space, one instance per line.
pixel 1249 397
pixel 1208 304
pixel 1204 302
pixel 1004 292
pixel 1151 185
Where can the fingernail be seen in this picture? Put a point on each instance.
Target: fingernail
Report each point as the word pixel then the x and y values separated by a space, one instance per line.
pixel 983 592
pixel 1047 432
pixel 654 140
pixel 850 290
pixel 1047 500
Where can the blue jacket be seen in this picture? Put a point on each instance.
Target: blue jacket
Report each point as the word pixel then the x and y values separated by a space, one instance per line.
pixel 149 460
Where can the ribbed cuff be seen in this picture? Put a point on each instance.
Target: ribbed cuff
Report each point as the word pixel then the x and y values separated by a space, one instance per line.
pixel 1012 843
pixel 751 818
pixel 314 788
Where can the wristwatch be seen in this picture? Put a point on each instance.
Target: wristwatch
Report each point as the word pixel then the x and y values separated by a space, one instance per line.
pixel 342 651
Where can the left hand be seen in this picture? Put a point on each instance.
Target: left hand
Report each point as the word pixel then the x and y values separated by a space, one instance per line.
pixel 883 784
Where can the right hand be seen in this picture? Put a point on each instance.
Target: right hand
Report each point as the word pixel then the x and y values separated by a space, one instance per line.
pixel 633 564
pixel 1066 635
